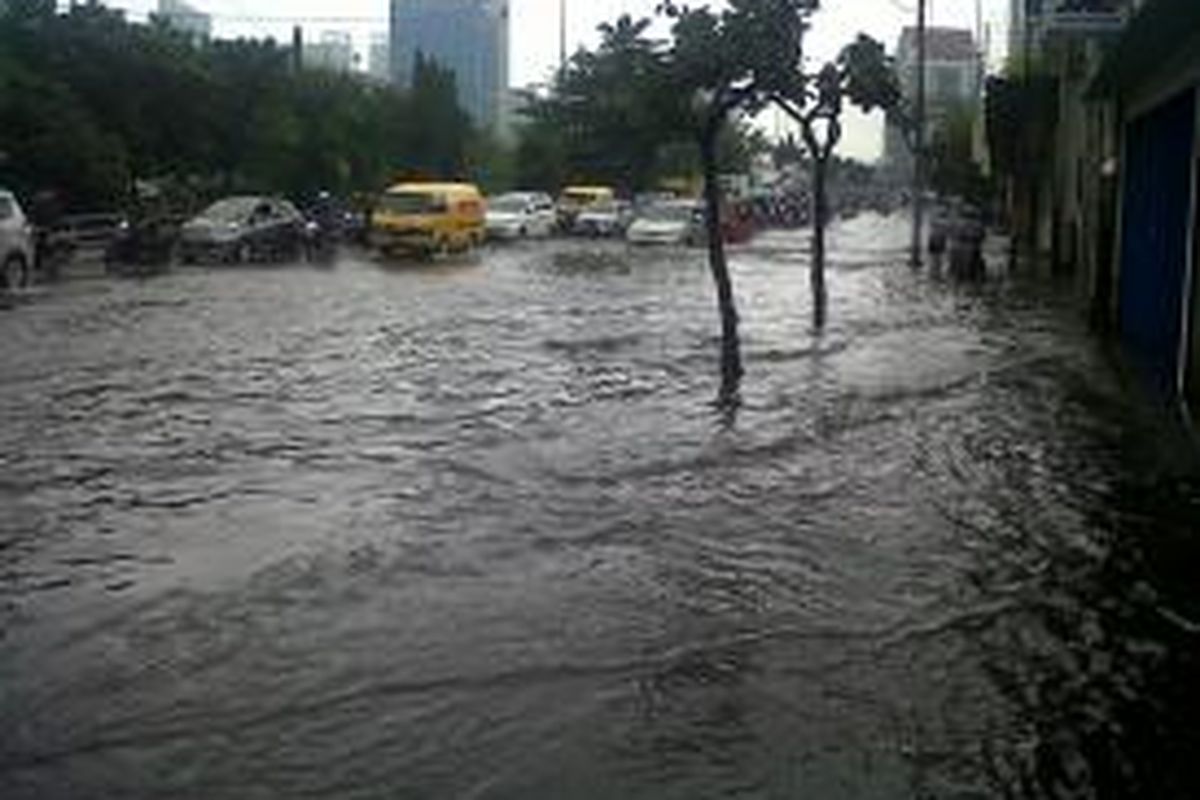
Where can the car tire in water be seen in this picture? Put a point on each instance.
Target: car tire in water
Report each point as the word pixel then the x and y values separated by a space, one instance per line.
pixel 14 274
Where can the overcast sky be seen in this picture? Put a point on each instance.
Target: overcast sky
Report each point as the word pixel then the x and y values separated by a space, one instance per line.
pixel 535 31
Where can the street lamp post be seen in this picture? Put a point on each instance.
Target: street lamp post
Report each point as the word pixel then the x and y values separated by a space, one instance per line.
pixel 562 34
pixel 918 198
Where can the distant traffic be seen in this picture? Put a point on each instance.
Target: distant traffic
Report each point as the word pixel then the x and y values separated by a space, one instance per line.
pixel 410 220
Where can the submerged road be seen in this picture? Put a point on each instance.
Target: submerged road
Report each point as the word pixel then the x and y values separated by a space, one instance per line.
pixel 472 530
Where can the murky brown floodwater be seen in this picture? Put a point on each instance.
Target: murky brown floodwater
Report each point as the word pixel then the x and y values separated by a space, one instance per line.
pixel 472 531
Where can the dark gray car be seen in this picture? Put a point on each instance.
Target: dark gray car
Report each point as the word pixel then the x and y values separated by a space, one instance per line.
pixel 240 230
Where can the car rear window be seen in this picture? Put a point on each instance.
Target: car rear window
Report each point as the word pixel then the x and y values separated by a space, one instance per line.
pixel 7 207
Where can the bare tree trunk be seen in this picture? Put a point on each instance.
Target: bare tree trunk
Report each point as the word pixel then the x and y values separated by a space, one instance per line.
pixel 731 355
pixel 816 275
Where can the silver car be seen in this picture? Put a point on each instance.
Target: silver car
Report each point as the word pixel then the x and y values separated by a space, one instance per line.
pixel 604 219
pixel 16 244
pixel 520 214
pixel 670 222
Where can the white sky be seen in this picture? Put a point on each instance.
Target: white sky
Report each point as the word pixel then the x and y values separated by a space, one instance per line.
pixel 534 32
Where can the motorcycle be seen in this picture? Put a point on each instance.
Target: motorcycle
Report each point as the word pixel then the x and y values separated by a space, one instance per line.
pixel 142 247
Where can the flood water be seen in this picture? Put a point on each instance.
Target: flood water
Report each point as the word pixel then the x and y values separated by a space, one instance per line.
pixel 473 530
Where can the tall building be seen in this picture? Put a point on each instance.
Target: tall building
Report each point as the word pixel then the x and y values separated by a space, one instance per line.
pixel 334 52
pixel 953 80
pixel 184 18
pixel 379 58
pixel 468 37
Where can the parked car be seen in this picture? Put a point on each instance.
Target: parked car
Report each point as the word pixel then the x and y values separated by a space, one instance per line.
pixel 241 230
pixel 671 222
pixel 604 219
pixel 574 200
pixel 424 219
pixel 16 244
pixel 520 214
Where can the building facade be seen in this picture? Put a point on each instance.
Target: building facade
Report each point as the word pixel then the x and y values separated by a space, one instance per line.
pixel 1150 81
pixel 953 83
pixel 1111 191
pixel 184 18
pixel 334 52
pixel 379 58
pixel 468 37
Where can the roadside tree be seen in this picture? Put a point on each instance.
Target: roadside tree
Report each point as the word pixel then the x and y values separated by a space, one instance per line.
pixel 862 75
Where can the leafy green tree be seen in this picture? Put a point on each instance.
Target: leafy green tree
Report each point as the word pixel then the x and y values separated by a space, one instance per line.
pixel 610 113
pixel 436 147
pixel 952 166
pixel 862 75
pixel 541 153
pixel 50 140
pixel 724 63
pixel 91 102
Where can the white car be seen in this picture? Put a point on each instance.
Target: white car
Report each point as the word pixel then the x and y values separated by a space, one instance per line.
pixel 604 219
pixel 671 222
pixel 16 244
pixel 519 214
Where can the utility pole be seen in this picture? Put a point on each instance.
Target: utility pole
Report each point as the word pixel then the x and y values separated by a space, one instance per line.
pixel 562 35
pixel 918 190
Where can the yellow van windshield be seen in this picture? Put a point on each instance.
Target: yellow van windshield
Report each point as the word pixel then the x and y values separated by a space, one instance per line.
pixel 413 203
pixel 584 196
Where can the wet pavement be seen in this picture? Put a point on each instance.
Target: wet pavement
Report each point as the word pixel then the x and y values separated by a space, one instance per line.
pixel 473 530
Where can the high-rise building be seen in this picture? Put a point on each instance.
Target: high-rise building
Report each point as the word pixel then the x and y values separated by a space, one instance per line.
pixel 379 58
pixel 184 18
pixel 334 52
pixel 467 37
pixel 953 80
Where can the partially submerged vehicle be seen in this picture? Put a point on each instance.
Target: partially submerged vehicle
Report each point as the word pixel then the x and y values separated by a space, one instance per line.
pixel 244 229
pixel 425 219
pixel 668 222
pixel 517 215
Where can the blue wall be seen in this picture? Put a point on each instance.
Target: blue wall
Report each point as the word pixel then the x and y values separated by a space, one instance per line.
pixel 1154 234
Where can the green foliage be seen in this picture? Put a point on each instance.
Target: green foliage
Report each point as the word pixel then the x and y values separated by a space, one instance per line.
pixel 620 115
pixel 867 75
pixel 1020 116
pixel 610 113
pixel 739 57
pixel 90 102
pixel 862 74
pixel 952 167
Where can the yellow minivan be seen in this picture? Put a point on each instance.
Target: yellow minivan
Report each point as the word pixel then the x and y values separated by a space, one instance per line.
pixel 575 199
pixel 428 218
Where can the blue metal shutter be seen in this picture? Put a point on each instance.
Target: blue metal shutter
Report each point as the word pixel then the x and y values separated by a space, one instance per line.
pixel 1154 234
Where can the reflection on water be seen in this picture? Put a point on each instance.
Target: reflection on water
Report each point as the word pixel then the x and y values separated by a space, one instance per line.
pixel 475 530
